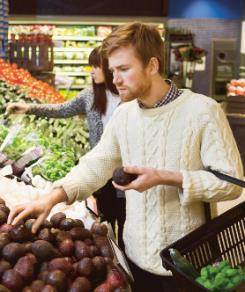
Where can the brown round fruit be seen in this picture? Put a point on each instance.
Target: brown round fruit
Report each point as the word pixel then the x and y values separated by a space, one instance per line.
pixel 5 228
pixel 66 224
pixel 4 266
pixel 122 178
pixel 80 284
pixel 5 209
pixel 57 218
pixel 3 217
pixel 57 279
pixel 66 247
pixel 104 287
pixel 85 267
pixel 99 229
pixel 62 264
pixel 81 250
pixel 12 280
pixel 20 233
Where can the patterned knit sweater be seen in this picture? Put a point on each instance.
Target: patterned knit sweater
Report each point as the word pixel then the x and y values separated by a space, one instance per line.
pixel 185 135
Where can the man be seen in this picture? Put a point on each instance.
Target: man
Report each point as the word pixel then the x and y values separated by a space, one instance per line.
pixel 166 136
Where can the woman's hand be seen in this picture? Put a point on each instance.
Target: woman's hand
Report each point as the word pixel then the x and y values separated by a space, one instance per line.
pixel 17 108
pixel 150 177
pixel 39 209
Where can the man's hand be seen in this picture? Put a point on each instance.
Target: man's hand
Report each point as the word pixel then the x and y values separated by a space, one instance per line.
pixel 39 209
pixel 150 177
pixel 17 108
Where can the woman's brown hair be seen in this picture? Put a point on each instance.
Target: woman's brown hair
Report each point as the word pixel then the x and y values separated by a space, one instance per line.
pixel 100 99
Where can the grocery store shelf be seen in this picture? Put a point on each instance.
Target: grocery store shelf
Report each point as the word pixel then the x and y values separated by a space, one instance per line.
pixel 70 61
pixel 84 20
pixel 74 38
pixel 220 79
pixel 72 73
pixel 77 38
pixel 65 49
pixel 74 86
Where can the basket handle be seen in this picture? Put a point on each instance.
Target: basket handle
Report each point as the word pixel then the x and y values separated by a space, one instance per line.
pixel 227 177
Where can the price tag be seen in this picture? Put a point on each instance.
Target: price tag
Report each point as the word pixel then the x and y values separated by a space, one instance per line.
pixel 120 258
pixel 13 131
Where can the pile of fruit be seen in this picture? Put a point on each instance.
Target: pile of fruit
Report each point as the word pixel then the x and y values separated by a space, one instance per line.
pixel 236 87
pixel 33 88
pixel 62 256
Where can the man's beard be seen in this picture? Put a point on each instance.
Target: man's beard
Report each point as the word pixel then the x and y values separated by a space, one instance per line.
pixel 128 95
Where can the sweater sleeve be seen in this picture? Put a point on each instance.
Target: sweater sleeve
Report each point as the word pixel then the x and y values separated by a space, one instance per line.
pixel 65 110
pixel 218 151
pixel 95 168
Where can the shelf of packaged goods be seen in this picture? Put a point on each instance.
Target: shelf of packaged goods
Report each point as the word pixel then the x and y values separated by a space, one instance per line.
pixel 66 49
pixel 57 61
pixel 225 79
pixel 77 38
pixel 72 73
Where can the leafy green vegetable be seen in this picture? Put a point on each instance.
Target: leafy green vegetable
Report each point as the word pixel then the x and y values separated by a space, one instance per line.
pixel 220 277
pixel 63 141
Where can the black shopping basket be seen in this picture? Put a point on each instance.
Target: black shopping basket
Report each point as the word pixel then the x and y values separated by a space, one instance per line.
pixel 222 238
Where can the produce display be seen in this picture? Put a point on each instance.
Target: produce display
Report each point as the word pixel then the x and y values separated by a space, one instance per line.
pixel 32 31
pixel 219 277
pixel 72 46
pixel 68 94
pixel 236 87
pixel 24 83
pixel 62 256
pixel 10 93
pixel 63 141
pixel 82 30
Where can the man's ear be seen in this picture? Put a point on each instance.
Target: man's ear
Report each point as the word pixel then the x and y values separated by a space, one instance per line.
pixel 153 65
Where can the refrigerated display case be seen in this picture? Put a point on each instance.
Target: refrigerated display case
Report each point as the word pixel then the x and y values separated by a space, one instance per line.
pixel 73 40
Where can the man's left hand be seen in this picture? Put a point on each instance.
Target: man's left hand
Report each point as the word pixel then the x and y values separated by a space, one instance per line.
pixel 149 177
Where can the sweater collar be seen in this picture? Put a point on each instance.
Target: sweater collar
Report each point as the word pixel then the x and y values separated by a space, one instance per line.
pixel 154 111
pixel 170 96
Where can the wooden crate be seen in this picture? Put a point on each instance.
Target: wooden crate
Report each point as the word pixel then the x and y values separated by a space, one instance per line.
pixel 33 56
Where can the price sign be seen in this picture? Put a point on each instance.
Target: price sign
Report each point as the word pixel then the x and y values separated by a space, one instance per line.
pixel 120 258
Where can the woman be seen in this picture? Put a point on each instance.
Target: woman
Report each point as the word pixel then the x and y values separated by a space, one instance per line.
pixel 98 103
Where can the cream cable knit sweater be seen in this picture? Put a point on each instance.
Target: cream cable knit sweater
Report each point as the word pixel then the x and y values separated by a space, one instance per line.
pixel 185 135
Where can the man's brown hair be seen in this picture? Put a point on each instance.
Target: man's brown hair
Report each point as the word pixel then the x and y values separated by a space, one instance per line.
pixel 145 39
